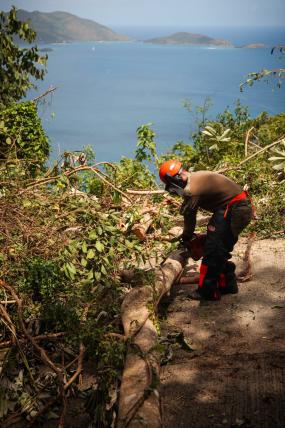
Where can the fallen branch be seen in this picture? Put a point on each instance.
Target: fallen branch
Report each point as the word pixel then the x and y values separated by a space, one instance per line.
pixel 145 192
pixel 74 171
pixel 50 336
pixel 7 302
pixel 252 156
pixel 193 279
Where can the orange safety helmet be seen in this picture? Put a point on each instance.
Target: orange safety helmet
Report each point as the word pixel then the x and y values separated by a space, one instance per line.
pixel 171 167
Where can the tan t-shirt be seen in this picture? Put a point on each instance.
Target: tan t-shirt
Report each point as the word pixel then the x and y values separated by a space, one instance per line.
pixel 207 190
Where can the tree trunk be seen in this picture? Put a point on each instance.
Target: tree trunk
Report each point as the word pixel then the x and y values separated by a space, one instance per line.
pixel 139 404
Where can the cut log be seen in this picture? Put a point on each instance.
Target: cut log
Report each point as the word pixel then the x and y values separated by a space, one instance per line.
pixel 193 279
pixel 139 398
pixel 140 229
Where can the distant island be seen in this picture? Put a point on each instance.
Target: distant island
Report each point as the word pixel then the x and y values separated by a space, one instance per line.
pixel 60 27
pixel 184 38
pixel 254 46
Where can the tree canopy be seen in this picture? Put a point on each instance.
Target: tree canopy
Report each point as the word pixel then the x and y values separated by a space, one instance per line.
pixel 19 66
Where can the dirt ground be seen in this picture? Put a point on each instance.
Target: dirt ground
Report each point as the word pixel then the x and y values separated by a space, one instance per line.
pixel 236 375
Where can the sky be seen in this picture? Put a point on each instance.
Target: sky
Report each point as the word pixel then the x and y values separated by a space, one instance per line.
pixel 165 12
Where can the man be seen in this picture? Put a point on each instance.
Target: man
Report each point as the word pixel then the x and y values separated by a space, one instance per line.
pixel 231 211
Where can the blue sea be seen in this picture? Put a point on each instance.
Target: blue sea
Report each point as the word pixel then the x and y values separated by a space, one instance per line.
pixel 106 90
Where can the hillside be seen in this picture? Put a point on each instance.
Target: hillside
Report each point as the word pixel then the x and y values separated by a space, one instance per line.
pixel 189 39
pixel 57 27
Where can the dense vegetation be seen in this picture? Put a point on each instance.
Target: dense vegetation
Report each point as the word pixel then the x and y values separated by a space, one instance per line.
pixel 17 65
pixel 67 234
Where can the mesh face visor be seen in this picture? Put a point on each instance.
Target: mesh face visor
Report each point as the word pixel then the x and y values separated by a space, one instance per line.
pixel 175 184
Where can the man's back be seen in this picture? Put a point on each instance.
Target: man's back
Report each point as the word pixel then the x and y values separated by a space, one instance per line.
pixel 210 190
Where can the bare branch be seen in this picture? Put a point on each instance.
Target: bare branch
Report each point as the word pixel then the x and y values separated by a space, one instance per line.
pixel 48 91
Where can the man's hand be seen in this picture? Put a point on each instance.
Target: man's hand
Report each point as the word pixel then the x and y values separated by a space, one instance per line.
pixel 185 241
pixel 195 244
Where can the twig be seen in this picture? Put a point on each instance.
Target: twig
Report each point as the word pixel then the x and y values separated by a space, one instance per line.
pixel 279 232
pixel 79 367
pixel 65 387
pixel 255 145
pixel 40 350
pixel 48 91
pixel 145 192
pixel 74 171
pixel 7 302
pixel 8 322
pixel 117 336
pixel 246 140
pixel 106 163
pixel 50 336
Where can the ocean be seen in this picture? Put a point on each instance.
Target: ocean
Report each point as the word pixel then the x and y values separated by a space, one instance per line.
pixel 106 90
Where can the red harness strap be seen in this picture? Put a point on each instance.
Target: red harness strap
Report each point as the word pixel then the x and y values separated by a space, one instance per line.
pixel 239 197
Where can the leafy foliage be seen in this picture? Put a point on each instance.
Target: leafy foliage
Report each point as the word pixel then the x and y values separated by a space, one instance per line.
pixel 64 251
pixel 265 74
pixel 146 146
pixel 17 65
pixel 22 137
pixel 215 137
pixel 279 160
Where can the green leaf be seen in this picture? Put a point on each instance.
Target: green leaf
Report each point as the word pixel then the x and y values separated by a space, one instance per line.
pixel 90 275
pixel 279 167
pixel 97 276
pixel 92 235
pixel 275 158
pixel 207 133
pixel 129 244
pixel 26 203
pixel 225 133
pixel 103 270
pixel 99 246
pixel 90 254
pixel 71 268
pixel 83 262
pixel 84 247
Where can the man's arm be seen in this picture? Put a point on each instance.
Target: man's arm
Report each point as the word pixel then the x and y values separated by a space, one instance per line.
pixel 189 210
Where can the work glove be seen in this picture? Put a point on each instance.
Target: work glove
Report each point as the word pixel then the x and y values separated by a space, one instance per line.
pixel 195 245
pixel 185 241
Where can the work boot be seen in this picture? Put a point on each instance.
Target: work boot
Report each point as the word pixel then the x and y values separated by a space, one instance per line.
pixel 227 280
pixel 208 283
pixel 209 290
